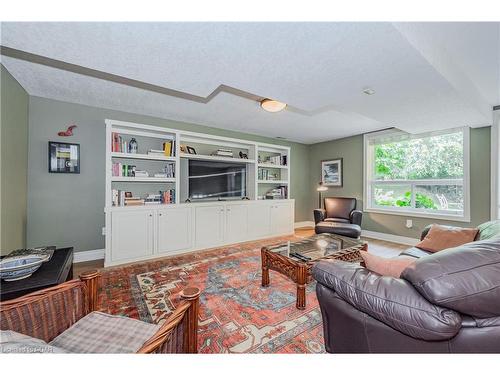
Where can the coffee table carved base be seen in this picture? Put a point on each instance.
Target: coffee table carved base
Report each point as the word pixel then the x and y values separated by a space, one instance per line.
pixel 298 271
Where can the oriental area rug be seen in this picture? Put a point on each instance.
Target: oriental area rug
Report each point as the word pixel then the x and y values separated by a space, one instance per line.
pixel 237 315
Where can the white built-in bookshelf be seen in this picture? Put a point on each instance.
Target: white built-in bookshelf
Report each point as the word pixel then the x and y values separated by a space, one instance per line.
pixel 141 231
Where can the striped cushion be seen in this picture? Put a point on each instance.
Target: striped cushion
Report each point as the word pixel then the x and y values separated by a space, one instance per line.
pixel 102 333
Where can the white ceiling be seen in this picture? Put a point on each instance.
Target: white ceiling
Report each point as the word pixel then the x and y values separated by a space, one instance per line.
pixel 426 76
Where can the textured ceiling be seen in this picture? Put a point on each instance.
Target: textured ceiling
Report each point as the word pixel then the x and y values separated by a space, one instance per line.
pixel 426 76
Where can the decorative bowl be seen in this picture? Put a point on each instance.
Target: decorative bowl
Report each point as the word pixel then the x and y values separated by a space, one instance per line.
pixel 20 267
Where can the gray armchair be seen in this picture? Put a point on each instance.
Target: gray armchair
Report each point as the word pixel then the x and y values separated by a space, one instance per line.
pixel 339 217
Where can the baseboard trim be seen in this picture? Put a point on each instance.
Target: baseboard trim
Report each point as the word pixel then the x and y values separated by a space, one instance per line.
pixel 390 237
pixel 87 256
pixel 303 224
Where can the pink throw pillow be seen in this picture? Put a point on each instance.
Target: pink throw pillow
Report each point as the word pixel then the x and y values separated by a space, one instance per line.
pixel 442 237
pixel 386 266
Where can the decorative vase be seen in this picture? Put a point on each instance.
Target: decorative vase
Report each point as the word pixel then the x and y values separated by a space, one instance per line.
pixel 132 146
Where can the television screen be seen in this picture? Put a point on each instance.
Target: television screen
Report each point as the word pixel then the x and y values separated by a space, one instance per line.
pixel 214 180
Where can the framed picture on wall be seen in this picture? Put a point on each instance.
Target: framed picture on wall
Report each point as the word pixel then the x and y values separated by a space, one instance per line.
pixel 331 172
pixel 64 157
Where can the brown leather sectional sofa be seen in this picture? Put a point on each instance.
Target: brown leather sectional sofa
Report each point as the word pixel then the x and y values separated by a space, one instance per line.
pixel 446 302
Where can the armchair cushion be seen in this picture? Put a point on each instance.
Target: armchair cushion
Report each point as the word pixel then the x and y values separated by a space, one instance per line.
pixel 392 301
pixel 340 207
pixel 464 278
pixel 102 333
pixel 15 342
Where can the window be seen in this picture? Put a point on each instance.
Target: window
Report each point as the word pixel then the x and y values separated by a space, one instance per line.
pixel 418 175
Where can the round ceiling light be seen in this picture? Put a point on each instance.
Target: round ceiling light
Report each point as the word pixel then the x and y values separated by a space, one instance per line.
pixel 270 105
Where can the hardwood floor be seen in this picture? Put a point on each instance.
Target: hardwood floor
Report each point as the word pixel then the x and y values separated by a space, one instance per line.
pixel 382 248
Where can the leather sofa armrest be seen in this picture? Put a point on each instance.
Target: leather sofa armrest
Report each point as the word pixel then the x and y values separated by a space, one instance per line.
pixel 356 217
pixel 319 215
pixel 390 300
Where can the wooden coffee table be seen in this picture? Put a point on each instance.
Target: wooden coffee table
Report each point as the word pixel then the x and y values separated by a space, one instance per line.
pixel 295 259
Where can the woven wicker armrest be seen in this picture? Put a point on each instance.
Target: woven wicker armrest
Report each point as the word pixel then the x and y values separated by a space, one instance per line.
pixel 47 313
pixel 179 334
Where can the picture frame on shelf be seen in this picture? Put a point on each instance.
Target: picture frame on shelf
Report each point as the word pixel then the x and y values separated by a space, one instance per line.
pixel 191 150
pixel 63 157
pixel 332 172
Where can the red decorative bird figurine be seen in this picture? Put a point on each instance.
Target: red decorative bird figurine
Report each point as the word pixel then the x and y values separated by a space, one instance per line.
pixel 68 132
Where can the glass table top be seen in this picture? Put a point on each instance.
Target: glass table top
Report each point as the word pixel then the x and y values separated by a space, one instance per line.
pixel 315 247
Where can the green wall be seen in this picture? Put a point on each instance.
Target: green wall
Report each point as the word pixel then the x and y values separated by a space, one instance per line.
pixel 351 150
pixel 68 210
pixel 13 163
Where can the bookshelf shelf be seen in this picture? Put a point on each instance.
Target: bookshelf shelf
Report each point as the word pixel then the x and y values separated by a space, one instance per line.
pixel 269 165
pixel 124 155
pixel 142 179
pixel 216 158
pixel 275 182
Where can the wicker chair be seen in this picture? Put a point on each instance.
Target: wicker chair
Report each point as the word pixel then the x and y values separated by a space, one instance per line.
pixel 47 313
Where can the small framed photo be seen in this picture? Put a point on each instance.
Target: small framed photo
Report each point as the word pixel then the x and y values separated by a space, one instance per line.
pixel 331 172
pixel 64 157
pixel 191 150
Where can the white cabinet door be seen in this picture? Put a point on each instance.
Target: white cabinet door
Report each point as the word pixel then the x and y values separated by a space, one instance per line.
pixel 209 226
pixel 174 230
pixel 259 220
pixel 281 218
pixel 132 234
pixel 236 223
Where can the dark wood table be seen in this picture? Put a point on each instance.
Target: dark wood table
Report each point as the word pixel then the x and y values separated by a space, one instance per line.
pixel 295 259
pixel 56 271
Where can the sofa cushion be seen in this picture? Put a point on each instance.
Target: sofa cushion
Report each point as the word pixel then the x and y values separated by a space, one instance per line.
pixel 386 266
pixel 442 237
pixel 465 278
pixel 489 230
pixel 15 342
pixel 390 300
pixel 102 333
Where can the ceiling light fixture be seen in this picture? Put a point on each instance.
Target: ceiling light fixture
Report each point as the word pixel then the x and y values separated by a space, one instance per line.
pixel 369 91
pixel 270 105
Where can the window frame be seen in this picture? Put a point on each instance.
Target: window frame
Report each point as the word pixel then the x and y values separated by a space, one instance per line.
pixel 368 181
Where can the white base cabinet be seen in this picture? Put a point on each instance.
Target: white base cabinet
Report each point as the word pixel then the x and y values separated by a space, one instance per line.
pixel 141 233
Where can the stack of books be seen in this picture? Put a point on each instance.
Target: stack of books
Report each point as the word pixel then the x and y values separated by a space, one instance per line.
pixel 152 199
pixel 134 201
pixel 156 152
pixel 276 160
pixel 281 192
pixel 168 171
pixel 118 144
pixel 123 170
pixel 265 174
pixel 223 152
pixel 168 196
pixel 141 173
pixel 169 148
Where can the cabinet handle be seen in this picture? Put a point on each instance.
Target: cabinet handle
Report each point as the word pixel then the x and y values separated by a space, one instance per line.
pixel 150 215
pixel 160 214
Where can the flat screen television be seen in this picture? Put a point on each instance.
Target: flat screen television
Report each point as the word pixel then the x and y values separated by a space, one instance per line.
pixel 216 180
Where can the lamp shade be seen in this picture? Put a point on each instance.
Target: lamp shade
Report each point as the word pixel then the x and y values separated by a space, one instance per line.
pixel 321 187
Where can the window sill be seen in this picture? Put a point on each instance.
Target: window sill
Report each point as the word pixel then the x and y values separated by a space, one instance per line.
pixel 465 218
